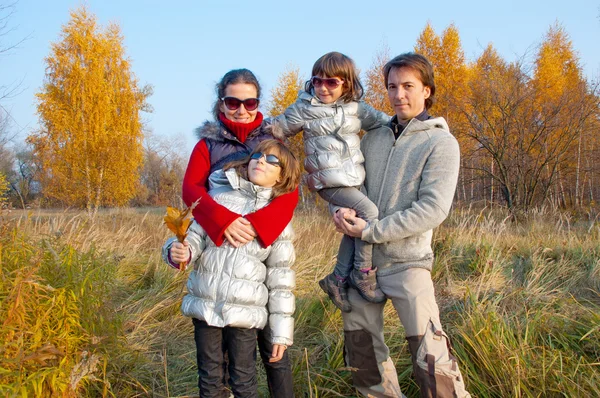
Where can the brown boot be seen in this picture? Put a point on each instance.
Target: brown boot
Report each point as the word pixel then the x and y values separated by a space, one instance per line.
pixel 337 290
pixel 366 284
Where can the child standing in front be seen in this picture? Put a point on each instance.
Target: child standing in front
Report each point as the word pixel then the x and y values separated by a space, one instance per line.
pixel 331 115
pixel 234 291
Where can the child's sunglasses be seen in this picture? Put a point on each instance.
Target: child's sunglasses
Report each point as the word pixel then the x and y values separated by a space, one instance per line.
pixel 233 104
pixel 271 159
pixel 331 83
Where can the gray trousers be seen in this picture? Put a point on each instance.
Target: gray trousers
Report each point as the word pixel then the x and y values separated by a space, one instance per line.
pixel 353 252
pixel 412 295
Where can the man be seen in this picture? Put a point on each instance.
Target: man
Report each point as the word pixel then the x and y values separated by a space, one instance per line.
pixel 412 169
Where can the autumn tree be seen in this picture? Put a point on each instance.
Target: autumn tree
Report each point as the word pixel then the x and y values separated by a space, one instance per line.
pixel 89 144
pixel 374 83
pixel 283 95
pixel 429 44
pixel 558 79
pixel 451 88
pixel 516 128
pixel 24 183
pixel 161 176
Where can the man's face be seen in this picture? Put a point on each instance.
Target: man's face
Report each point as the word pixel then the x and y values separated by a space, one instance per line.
pixel 406 93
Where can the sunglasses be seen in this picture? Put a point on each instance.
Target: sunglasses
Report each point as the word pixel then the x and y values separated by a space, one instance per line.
pixel 271 159
pixel 331 83
pixel 233 104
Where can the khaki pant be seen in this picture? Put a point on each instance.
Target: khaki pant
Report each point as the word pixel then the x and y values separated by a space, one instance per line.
pixel 374 374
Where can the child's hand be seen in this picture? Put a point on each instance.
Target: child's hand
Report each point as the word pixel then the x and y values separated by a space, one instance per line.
pixel 278 351
pixel 180 252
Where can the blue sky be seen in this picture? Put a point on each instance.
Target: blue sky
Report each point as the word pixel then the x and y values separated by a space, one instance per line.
pixel 182 48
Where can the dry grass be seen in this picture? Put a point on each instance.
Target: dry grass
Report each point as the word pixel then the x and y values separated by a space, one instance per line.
pixel 88 309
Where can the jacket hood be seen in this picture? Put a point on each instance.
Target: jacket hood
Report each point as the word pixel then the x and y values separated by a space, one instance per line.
pixel 225 180
pixel 209 129
pixel 216 131
pixel 414 126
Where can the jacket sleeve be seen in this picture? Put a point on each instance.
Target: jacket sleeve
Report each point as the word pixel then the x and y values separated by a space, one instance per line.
pixel 436 192
pixel 213 217
pixel 280 281
pixel 370 117
pixel 271 220
pixel 196 238
pixel 290 121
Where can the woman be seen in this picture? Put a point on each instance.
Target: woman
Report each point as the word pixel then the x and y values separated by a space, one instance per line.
pixel 238 128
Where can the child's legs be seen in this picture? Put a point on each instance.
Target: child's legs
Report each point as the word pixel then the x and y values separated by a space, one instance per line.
pixel 210 359
pixel 279 374
pixel 353 198
pixel 345 257
pixel 241 347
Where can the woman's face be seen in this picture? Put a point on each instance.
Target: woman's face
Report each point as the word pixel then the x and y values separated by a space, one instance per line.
pixel 240 91
pixel 263 173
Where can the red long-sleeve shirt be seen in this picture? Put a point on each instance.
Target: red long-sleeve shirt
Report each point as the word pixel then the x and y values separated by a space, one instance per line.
pixel 268 222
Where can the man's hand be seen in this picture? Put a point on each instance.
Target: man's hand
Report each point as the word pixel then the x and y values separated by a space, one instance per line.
pixel 277 353
pixel 340 216
pixel 347 223
pixel 240 232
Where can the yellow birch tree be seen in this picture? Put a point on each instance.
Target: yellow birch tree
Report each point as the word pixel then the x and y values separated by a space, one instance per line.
pixel 89 145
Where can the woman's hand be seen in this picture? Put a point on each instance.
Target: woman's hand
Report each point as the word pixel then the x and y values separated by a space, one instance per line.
pixel 240 232
pixel 278 351
pixel 180 252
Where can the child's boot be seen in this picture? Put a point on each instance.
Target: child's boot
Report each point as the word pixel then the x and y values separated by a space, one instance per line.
pixel 337 290
pixel 365 281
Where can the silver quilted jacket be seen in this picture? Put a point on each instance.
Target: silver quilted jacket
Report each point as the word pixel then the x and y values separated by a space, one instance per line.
pixel 331 141
pixel 241 287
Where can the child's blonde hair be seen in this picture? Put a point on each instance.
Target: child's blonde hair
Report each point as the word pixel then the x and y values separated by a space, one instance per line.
pixel 289 176
pixel 335 64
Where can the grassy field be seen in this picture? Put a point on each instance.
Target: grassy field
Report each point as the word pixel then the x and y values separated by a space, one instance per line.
pixel 88 308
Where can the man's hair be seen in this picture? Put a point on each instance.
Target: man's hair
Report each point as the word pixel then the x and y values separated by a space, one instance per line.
pixel 235 76
pixel 417 63
pixel 335 64
pixel 290 174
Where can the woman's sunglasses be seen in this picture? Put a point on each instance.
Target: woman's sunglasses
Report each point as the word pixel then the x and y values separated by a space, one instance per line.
pixel 331 83
pixel 233 104
pixel 271 159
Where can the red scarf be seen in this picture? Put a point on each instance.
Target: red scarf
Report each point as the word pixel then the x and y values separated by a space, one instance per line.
pixel 241 130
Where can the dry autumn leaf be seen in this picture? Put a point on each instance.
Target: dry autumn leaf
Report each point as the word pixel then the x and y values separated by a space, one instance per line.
pixel 178 221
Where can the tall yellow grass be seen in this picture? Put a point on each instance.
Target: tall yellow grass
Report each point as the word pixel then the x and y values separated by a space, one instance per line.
pixel 87 308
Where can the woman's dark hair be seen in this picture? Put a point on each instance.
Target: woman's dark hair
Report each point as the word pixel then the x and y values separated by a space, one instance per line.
pixel 289 177
pixel 336 64
pixel 417 63
pixel 235 76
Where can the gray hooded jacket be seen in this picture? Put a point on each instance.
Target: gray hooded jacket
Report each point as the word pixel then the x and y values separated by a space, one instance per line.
pixel 412 181
pixel 331 141
pixel 241 287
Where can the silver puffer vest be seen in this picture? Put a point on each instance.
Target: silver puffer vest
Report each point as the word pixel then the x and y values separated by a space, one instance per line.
pixel 246 286
pixel 331 141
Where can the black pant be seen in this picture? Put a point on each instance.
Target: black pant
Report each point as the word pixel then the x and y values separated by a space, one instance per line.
pixel 211 345
pixel 279 374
